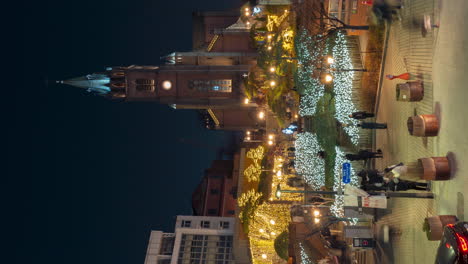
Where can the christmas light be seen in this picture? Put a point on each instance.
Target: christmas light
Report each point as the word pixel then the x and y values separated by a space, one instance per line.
pixel 337 208
pixel 343 87
pixel 308 164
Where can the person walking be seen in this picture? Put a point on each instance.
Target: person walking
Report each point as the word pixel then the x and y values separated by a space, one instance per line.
pixel 364 155
pixel 361 115
pixel 372 125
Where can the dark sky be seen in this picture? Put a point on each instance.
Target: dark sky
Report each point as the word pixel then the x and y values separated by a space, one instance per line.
pixel 87 179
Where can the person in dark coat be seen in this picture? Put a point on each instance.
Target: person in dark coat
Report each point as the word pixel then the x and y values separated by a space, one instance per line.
pixel 371 176
pixel 364 155
pixel 372 125
pixel 361 115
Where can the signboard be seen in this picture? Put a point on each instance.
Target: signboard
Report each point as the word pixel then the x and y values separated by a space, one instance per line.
pixel 357 232
pixel 363 242
pixel 346 172
pixel 375 201
pixel 354 212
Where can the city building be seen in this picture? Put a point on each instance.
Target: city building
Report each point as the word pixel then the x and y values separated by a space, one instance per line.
pixel 217 192
pixel 196 239
pixel 351 12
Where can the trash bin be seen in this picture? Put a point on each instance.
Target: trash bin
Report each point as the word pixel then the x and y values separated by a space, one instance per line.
pixel 410 91
pixel 423 125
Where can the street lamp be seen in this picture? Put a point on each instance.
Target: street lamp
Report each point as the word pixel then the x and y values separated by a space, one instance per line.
pixel 270 142
pixel 272 83
pixel 272 69
pixel 330 60
pixel 246 101
pixel 261 115
pixel 328 78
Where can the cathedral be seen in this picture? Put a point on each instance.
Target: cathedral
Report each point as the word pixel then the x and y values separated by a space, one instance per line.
pixel 210 78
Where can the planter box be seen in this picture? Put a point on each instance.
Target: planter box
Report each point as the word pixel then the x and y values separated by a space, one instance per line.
pixel 435 168
pixel 423 125
pixel 410 91
pixel 437 224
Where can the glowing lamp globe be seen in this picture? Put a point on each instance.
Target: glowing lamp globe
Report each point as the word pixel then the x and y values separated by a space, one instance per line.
pixel 166 85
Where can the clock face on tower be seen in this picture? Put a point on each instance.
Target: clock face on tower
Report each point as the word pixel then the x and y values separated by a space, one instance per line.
pixel 167 85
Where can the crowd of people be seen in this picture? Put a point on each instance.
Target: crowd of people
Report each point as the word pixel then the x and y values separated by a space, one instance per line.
pixel 390 178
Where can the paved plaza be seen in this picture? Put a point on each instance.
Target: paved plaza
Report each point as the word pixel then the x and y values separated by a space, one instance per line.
pixel 439 59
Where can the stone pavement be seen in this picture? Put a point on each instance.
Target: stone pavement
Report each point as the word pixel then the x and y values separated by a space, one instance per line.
pixel 440 60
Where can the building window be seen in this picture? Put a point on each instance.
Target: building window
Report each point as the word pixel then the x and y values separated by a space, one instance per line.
pixel 205 224
pixel 145 85
pixel 214 191
pixel 167 245
pixel 222 86
pixel 205 249
pixel 231 212
pixel 212 211
pixel 186 223
pixel 224 225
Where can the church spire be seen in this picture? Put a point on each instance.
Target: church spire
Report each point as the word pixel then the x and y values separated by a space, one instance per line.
pixel 96 82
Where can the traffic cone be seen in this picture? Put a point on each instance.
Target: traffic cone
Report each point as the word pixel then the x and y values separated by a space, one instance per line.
pixel 403 76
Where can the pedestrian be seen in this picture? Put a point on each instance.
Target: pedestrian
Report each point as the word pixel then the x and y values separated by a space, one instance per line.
pixel 372 125
pixel 321 154
pixel 371 176
pixel 361 115
pixel 364 155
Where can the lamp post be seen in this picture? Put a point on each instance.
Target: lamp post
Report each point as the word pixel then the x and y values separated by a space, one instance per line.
pixel 279 191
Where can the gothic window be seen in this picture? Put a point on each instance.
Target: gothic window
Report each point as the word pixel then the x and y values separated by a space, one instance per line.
pixel 118 74
pixel 145 85
pixel 223 86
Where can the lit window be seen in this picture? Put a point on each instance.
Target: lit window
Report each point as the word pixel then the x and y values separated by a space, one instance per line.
pixel 145 85
pixel 224 86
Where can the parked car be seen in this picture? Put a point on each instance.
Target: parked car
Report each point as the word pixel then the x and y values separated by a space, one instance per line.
pixel 453 247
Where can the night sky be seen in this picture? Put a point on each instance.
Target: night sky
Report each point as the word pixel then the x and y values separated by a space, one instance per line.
pixel 87 178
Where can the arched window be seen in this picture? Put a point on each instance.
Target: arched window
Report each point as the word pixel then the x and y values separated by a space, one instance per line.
pixel 145 85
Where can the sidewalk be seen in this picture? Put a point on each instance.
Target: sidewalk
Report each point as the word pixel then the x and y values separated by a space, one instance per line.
pixel 407 51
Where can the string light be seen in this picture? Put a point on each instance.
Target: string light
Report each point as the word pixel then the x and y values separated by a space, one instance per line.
pixel 343 87
pixel 308 163
pixel 337 208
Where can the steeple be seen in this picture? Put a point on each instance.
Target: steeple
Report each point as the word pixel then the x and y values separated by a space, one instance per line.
pixel 110 83
pixel 96 82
